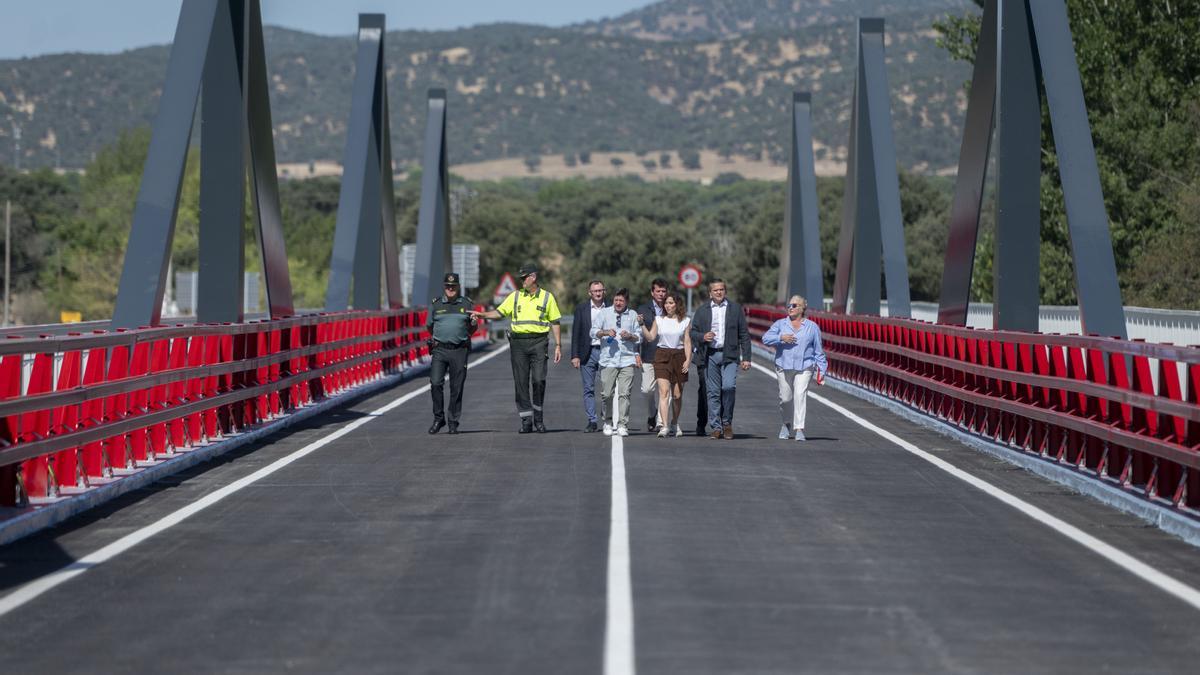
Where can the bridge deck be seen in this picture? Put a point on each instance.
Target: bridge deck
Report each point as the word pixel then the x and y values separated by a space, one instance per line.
pixel 388 550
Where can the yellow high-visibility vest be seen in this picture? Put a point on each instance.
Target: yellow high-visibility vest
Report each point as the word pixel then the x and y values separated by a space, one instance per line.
pixel 530 313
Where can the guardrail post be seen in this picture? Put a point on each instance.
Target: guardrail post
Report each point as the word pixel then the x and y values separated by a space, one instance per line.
pixel 68 464
pixel 95 463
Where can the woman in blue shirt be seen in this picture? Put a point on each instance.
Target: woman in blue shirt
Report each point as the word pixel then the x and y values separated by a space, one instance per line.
pixel 798 356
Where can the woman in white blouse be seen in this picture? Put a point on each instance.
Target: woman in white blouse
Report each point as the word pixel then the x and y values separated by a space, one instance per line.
pixel 671 361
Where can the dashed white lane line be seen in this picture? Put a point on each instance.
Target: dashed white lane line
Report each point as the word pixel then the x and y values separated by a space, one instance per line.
pixel 37 587
pixel 1136 567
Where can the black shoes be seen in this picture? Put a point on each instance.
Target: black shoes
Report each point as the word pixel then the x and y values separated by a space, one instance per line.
pixel 700 430
pixel 651 423
pixel 526 426
pixel 437 426
pixel 539 427
pixel 453 428
pixel 591 428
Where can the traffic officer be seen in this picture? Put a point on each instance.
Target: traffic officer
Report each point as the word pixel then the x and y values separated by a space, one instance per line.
pixel 450 324
pixel 533 314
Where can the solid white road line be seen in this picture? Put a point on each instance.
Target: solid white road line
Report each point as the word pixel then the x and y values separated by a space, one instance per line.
pixel 38 586
pixel 1146 573
pixel 618 625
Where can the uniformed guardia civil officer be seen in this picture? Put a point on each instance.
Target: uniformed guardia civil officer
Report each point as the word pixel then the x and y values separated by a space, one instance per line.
pixel 450 324
pixel 533 314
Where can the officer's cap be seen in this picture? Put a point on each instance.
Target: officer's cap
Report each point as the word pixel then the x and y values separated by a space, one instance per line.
pixel 450 280
pixel 527 269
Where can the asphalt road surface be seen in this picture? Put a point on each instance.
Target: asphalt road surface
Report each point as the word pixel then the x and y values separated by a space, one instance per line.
pixel 386 550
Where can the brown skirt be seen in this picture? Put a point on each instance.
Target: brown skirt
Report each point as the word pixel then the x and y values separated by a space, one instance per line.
pixel 668 365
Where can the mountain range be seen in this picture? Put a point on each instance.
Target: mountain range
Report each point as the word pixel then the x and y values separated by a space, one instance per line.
pixel 674 75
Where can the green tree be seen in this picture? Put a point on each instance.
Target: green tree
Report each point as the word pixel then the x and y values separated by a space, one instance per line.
pixel 1139 63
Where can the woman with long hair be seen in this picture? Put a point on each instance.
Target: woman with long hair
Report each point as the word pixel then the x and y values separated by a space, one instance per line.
pixel 671 361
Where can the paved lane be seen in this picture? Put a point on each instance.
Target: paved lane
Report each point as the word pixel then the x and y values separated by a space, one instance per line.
pixel 389 547
pixel 846 555
pixel 393 551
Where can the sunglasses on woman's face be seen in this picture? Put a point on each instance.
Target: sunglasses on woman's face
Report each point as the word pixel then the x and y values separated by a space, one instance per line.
pixel 793 306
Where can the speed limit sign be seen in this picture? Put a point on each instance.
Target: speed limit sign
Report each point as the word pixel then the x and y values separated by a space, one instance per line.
pixel 689 276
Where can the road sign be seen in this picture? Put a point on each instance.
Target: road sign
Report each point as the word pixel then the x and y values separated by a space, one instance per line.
pixel 689 276
pixel 506 287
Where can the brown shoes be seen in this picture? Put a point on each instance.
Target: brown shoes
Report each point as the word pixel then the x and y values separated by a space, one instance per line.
pixel 716 433
pixel 728 432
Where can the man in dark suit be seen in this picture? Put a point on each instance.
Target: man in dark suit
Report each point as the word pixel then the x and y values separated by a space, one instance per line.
pixel 648 311
pixel 585 352
pixel 720 326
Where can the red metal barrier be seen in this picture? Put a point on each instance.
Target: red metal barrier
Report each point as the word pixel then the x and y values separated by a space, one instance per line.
pixel 1084 401
pixel 130 398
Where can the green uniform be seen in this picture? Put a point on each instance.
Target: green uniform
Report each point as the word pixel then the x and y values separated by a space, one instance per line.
pixel 450 326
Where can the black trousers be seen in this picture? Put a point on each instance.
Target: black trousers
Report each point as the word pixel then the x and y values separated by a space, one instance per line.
pixel 453 360
pixel 529 356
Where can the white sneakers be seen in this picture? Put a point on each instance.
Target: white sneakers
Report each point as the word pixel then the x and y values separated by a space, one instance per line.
pixel 608 429
pixel 622 431
pixel 662 432
pixel 799 435
pixel 678 431
pixel 783 433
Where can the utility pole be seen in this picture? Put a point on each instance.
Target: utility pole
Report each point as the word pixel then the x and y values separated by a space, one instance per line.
pixel 7 256
pixel 8 228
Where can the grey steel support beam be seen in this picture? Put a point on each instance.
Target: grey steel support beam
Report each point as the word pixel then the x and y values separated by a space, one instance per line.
pixel 800 265
pixel 264 181
pixel 1004 95
pixel 358 234
pixel 1022 45
pixel 223 168
pixel 391 251
pixel 958 269
pixel 872 222
pixel 1016 266
pixel 868 242
pixel 218 52
pixel 144 273
pixel 433 222
pixel 883 160
pixel 1100 307
pixel 841 282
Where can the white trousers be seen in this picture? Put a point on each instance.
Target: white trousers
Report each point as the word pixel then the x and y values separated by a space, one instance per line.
pixel 793 395
pixel 650 389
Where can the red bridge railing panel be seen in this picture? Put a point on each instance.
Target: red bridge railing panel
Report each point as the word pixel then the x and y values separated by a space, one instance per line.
pixel 1113 409
pixel 78 410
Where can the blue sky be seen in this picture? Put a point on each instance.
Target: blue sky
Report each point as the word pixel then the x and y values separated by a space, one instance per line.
pixel 53 26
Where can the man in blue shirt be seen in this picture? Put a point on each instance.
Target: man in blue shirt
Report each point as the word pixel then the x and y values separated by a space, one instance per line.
pixel 798 357
pixel 617 329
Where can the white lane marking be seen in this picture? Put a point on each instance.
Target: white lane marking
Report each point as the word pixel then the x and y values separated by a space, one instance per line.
pixel 38 586
pixel 618 625
pixel 1136 567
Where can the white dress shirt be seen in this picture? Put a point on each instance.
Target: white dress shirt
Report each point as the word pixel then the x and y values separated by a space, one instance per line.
pixel 718 323
pixel 596 309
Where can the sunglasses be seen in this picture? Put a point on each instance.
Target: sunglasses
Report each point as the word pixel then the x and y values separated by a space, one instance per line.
pixel 794 305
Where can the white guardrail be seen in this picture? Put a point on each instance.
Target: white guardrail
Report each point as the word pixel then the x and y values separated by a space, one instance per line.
pixel 1163 326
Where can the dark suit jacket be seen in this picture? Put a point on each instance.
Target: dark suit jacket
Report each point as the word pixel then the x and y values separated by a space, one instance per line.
pixel 581 326
pixel 649 347
pixel 737 332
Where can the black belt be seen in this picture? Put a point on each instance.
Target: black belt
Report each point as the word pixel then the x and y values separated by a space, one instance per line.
pixel 459 345
pixel 527 336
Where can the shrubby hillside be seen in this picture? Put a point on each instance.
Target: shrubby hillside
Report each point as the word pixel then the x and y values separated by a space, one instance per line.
pixel 677 75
